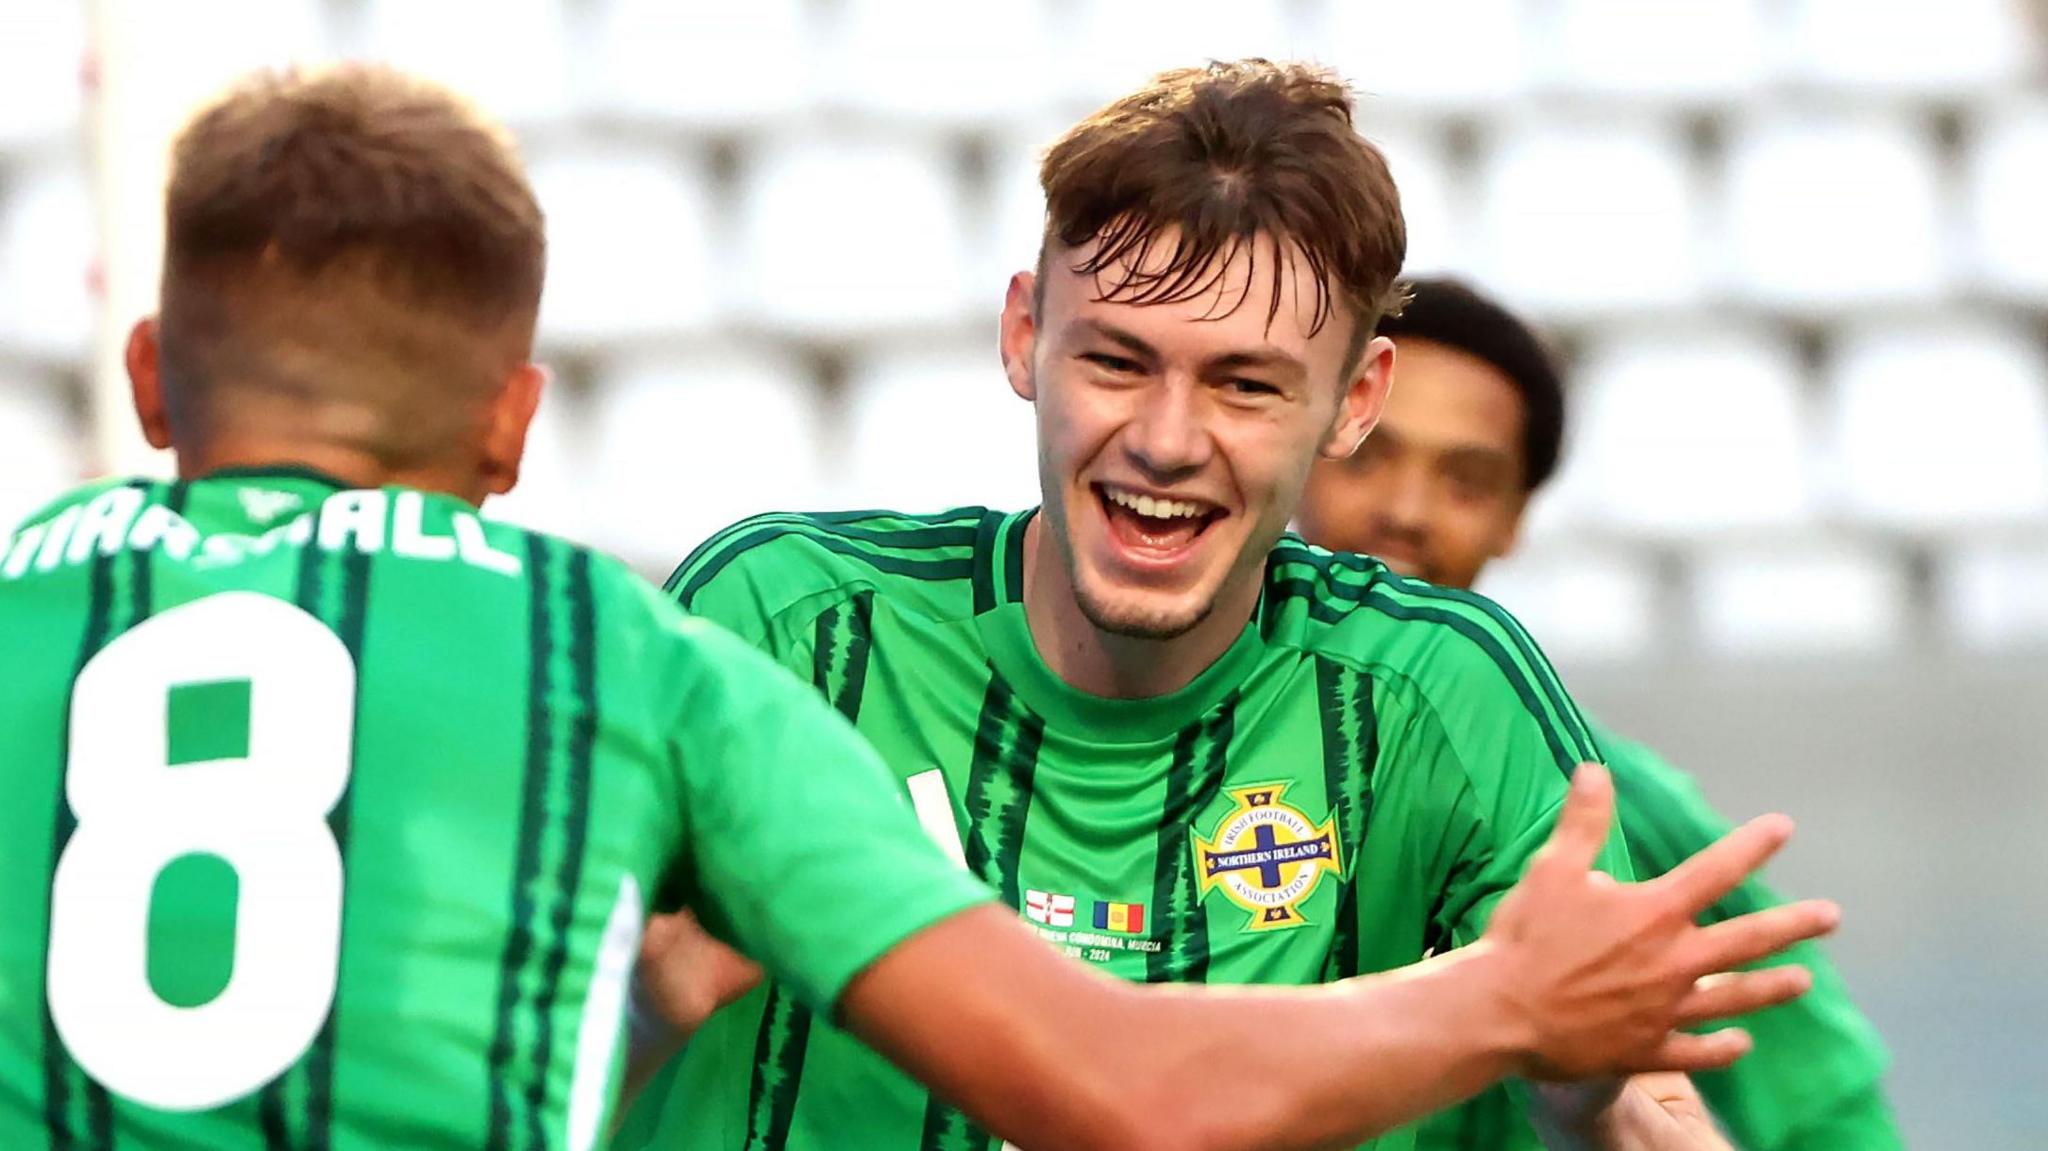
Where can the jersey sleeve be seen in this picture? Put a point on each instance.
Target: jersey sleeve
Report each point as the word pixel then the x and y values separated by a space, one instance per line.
pixel 767 580
pixel 1482 740
pixel 801 848
pixel 1818 1062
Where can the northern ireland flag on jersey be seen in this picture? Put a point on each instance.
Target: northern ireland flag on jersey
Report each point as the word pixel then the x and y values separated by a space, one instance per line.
pixel 1049 909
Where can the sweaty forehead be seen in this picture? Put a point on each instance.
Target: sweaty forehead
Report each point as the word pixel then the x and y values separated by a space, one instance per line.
pixel 1258 291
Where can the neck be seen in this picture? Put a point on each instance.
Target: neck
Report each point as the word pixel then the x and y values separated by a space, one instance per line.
pixel 1107 664
pixel 350 465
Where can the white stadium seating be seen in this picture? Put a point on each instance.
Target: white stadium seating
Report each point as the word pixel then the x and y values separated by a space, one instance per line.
pixel 47 250
pixel 1433 196
pixel 1940 425
pixel 1582 603
pixel 1835 211
pixel 1448 55
pixel 1811 598
pixel 39 447
pixel 939 62
pixel 1671 52
pixel 42 73
pixel 523 77
pixel 1688 433
pixel 2005 175
pixel 631 248
pixel 933 427
pixel 683 445
pixel 1108 47
pixel 1995 594
pixel 706 67
pixel 1592 216
pixel 845 235
pixel 1907 48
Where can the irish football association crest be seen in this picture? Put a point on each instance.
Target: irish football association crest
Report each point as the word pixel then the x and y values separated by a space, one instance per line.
pixel 1267 856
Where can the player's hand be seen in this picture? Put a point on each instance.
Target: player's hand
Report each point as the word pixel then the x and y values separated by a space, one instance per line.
pixel 1604 974
pixel 686 975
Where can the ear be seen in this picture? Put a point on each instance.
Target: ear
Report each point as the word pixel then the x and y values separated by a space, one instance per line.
pixel 1365 396
pixel 1019 337
pixel 505 426
pixel 146 384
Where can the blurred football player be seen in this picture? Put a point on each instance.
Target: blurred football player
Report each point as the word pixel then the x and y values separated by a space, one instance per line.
pixel 1471 431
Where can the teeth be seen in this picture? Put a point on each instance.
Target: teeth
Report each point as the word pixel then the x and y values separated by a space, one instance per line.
pixel 1155 508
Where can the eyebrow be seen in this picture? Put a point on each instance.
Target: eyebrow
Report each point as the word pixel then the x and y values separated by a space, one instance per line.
pixel 1271 359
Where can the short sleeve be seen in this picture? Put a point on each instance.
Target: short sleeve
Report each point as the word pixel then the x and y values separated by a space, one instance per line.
pixel 801 848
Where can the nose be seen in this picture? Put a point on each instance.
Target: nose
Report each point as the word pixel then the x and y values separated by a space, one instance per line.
pixel 1166 436
pixel 1404 503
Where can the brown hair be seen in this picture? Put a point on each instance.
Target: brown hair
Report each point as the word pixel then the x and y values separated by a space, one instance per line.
pixel 354 219
pixel 1220 155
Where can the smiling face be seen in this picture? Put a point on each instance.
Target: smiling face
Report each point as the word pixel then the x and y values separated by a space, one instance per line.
pixel 1174 438
pixel 1437 490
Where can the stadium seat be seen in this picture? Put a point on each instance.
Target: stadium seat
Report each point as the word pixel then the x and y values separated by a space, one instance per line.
pixel 1016 213
pixel 1994 595
pixel 510 56
pixel 551 494
pixel 708 67
pixel 846 234
pixel 1449 55
pixel 1809 598
pixel 1580 603
pixel 1674 52
pixel 1109 47
pixel 631 252
pixel 38 447
pixel 42 64
pixel 1689 432
pixel 931 428
pixel 1432 196
pixel 1940 424
pixel 937 62
pixel 1590 217
pixel 1908 48
pixel 2005 184
pixel 1800 238
pixel 47 249
pixel 686 444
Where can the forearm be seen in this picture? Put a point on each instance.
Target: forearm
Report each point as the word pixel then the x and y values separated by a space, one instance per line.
pixel 1057 1058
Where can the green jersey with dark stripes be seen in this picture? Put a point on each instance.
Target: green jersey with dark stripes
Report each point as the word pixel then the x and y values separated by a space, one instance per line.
pixel 330 817
pixel 1357 780
pixel 1814 1082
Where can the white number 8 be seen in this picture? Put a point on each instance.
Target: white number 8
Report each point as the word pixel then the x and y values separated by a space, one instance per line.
pixel 264 814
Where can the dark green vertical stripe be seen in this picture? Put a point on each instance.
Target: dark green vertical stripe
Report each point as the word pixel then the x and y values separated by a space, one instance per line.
pixel 840 649
pixel 576 820
pixel 985 561
pixel 1013 558
pixel 350 625
pixel 57 1066
pixel 779 1050
pixel 519 943
pixel 1194 778
pixel 1000 777
pixel 1350 749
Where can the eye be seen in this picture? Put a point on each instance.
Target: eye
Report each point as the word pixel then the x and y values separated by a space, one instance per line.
pixel 1109 363
pixel 1245 386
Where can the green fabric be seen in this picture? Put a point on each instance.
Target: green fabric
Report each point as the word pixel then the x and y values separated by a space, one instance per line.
pixel 1814 1078
pixel 1404 750
pixel 540 742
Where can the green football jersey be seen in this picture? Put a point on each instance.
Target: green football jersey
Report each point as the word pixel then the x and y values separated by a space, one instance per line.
pixel 1818 1065
pixel 1356 781
pixel 330 817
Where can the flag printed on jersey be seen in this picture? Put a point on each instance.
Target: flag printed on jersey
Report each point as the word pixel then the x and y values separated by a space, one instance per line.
pixel 1049 909
pixel 1125 918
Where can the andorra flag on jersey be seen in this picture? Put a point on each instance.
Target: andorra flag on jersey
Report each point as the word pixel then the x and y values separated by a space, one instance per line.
pixel 1128 918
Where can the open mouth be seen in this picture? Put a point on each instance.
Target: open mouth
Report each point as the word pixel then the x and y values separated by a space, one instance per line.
pixel 1163 527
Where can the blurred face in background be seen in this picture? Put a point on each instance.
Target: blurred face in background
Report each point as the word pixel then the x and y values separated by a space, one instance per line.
pixel 1175 438
pixel 1437 490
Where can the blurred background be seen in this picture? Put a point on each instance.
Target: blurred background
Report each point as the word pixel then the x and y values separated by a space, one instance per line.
pixel 1794 252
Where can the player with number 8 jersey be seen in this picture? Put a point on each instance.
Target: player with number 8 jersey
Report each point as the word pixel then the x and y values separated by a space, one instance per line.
pixel 352 787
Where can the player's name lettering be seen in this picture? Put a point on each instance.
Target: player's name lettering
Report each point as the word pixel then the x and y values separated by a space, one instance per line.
pixel 366 521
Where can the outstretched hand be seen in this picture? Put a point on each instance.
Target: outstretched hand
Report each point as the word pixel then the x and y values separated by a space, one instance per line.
pixel 1606 974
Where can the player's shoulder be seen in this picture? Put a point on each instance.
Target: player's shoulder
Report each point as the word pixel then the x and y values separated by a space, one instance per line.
pixel 773 561
pixel 1447 643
